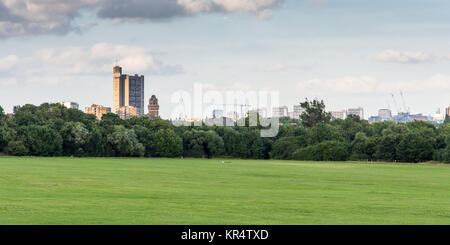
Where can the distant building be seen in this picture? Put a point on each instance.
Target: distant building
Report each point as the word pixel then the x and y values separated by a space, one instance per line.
pixel 338 114
pixel 373 119
pixel 419 117
pixel 438 117
pixel 126 112
pixel 357 112
pixel 220 121
pixel 70 105
pixel 402 117
pixel 233 114
pixel 217 113
pixel 280 111
pixel 384 114
pixel 447 111
pixel 16 108
pixel 128 91
pixel 153 107
pixel 297 111
pixel 98 110
pixel 262 112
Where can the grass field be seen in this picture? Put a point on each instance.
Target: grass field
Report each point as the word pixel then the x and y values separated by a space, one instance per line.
pixel 195 191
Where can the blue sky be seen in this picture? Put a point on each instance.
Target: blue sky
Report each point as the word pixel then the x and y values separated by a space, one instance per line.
pixel 349 53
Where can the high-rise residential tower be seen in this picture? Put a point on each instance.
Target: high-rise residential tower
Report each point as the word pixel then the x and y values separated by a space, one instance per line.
pixel 128 91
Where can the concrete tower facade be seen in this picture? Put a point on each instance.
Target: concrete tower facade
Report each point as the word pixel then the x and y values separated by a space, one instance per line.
pixel 128 91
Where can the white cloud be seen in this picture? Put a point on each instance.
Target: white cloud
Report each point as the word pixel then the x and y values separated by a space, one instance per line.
pixel 34 17
pixel 241 86
pixel 438 82
pixel 254 6
pixel 25 17
pixel 196 6
pixel 165 9
pixel 8 62
pixel 352 85
pixel 396 56
pixel 75 61
pixel 7 82
pixel 275 67
pixel 347 85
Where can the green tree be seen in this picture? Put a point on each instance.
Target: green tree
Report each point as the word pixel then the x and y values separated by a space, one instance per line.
pixel 75 139
pixel 2 113
pixel 124 143
pixel 97 145
pixel 414 148
pixel 314 113
pixel 253 144
pixel 285 147
pixel 324 132
pixel 110 120
pixel 199 143
pixel 385 150
pixel 16 148
pixel 360 147
pixel 325 151
pixel 233 141
pixel 3 138
pixel 145 136
pixel 167 143
pixel 42 140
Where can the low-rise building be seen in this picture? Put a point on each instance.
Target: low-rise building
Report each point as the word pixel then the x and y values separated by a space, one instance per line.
pixel 297 111
pixel 338 114
pixel 98 110
pixel 384 114
pixel 356 112
pixel 70 105
pixel 126 112
pixel 281 111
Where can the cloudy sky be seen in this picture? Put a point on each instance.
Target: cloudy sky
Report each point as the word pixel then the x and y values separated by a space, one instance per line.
pixel 348 52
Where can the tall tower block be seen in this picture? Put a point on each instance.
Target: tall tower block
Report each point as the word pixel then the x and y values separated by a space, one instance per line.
pixel 128 91
pixel 118 89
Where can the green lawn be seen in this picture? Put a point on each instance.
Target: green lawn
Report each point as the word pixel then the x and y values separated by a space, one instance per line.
pixel 195 191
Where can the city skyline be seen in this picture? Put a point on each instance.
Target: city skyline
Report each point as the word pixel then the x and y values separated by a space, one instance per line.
pixel 336 51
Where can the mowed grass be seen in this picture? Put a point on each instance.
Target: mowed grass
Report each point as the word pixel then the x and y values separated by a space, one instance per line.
pixel 196 191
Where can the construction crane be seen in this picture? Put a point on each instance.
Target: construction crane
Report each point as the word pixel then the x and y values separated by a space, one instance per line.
pixel 388 104
pixel 395 103
pixel 404 104
pixel 184 108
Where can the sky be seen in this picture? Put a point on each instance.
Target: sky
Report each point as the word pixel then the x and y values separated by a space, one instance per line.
pixel 350 53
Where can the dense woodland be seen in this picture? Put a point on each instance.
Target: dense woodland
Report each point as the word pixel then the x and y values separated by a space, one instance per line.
pixel 53 130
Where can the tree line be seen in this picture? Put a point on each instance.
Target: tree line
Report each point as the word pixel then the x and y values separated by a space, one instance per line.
pixel 53 130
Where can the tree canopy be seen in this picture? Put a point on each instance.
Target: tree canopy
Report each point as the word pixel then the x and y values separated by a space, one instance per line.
pixel 53 130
